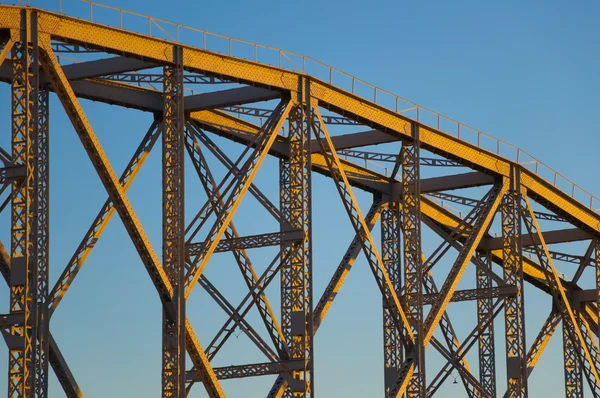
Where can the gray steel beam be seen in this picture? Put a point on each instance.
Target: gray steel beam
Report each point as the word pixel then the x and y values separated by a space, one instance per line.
pixel 250 370
pixel 234 96
pixel 550 237
pixel 106 66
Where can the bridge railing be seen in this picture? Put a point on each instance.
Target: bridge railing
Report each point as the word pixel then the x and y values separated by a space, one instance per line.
pixel 214 42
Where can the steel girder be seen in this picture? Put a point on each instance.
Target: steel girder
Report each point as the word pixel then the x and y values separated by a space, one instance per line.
pixel 577 328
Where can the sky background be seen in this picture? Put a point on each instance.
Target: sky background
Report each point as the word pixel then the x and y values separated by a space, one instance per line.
pixel 525 72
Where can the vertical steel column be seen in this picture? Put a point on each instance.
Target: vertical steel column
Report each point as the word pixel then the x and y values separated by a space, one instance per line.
pixel 390 255
pixel 516 366
pixel 597 268
pixel 413 265
pixel 573 371
pixel 487 353
pixel 296 278
pixel 42 245
pixel 22 340
pixel 173 371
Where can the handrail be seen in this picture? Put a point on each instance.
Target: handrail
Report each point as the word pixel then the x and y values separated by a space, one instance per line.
pixel 303 64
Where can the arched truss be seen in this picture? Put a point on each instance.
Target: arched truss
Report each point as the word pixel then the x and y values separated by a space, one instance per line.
pixel 516 198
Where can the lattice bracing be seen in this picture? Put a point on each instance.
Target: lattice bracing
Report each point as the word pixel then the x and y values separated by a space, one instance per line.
pixel 394 172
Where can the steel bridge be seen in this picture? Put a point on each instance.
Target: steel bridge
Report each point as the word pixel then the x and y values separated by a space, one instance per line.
pixel 446 178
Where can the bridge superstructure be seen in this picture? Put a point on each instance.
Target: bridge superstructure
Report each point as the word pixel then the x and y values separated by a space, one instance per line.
pixel 284 110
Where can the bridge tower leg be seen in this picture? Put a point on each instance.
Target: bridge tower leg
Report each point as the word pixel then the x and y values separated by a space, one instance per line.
pixel 173 365
pixel 514 315
pixel 573 371
pixel 390 254
pixel 296 274
pixel 487 353
pixel 28 335
pixel 413 264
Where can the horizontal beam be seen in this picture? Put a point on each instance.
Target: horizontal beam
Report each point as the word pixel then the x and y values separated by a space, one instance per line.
pixel 250 242
pixel 234 96
pixel 251 370
pixel 473 294
pixel 452 182
pixel 106 66
pixel 558 236
pixel 11 173
pixel 356 140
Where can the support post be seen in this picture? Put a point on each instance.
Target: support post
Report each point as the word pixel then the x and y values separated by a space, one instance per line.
pixel 487 353
pixel 28 273
pixel 573 372
pixel 173 365
pixel 296 274
pixel 514 316
pixel 413 265
pixel 390 255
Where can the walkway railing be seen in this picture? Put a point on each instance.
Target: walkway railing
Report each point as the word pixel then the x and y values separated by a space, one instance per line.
pixel 214 42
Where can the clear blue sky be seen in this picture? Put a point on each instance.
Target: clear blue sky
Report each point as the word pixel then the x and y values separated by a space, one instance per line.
pixel 526 72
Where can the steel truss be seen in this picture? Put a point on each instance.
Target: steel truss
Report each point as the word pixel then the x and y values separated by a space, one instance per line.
pixel 415 309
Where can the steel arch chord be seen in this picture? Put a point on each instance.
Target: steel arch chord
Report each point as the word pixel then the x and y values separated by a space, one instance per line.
pixel 486 209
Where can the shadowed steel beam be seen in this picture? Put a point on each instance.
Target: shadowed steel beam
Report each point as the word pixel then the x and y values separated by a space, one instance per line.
pixel 472 294
pixel 250 242
pixel 234 96
pixel 456 181
pixel 124 208
pixel 106 66
pixel 550 237
pixel 252 370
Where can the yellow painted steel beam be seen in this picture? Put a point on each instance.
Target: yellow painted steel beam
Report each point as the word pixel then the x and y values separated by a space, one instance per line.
pixel 136 45
pixel 123 206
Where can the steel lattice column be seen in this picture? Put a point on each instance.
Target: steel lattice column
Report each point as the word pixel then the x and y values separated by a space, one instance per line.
pixel 487 358
pixel 22 340
pixel 296 289
pixel 597 267
pixel 573 371
pixel 390 255
pixel 41 254
pixel 516 366
pixel 413 265
pixel 173 372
